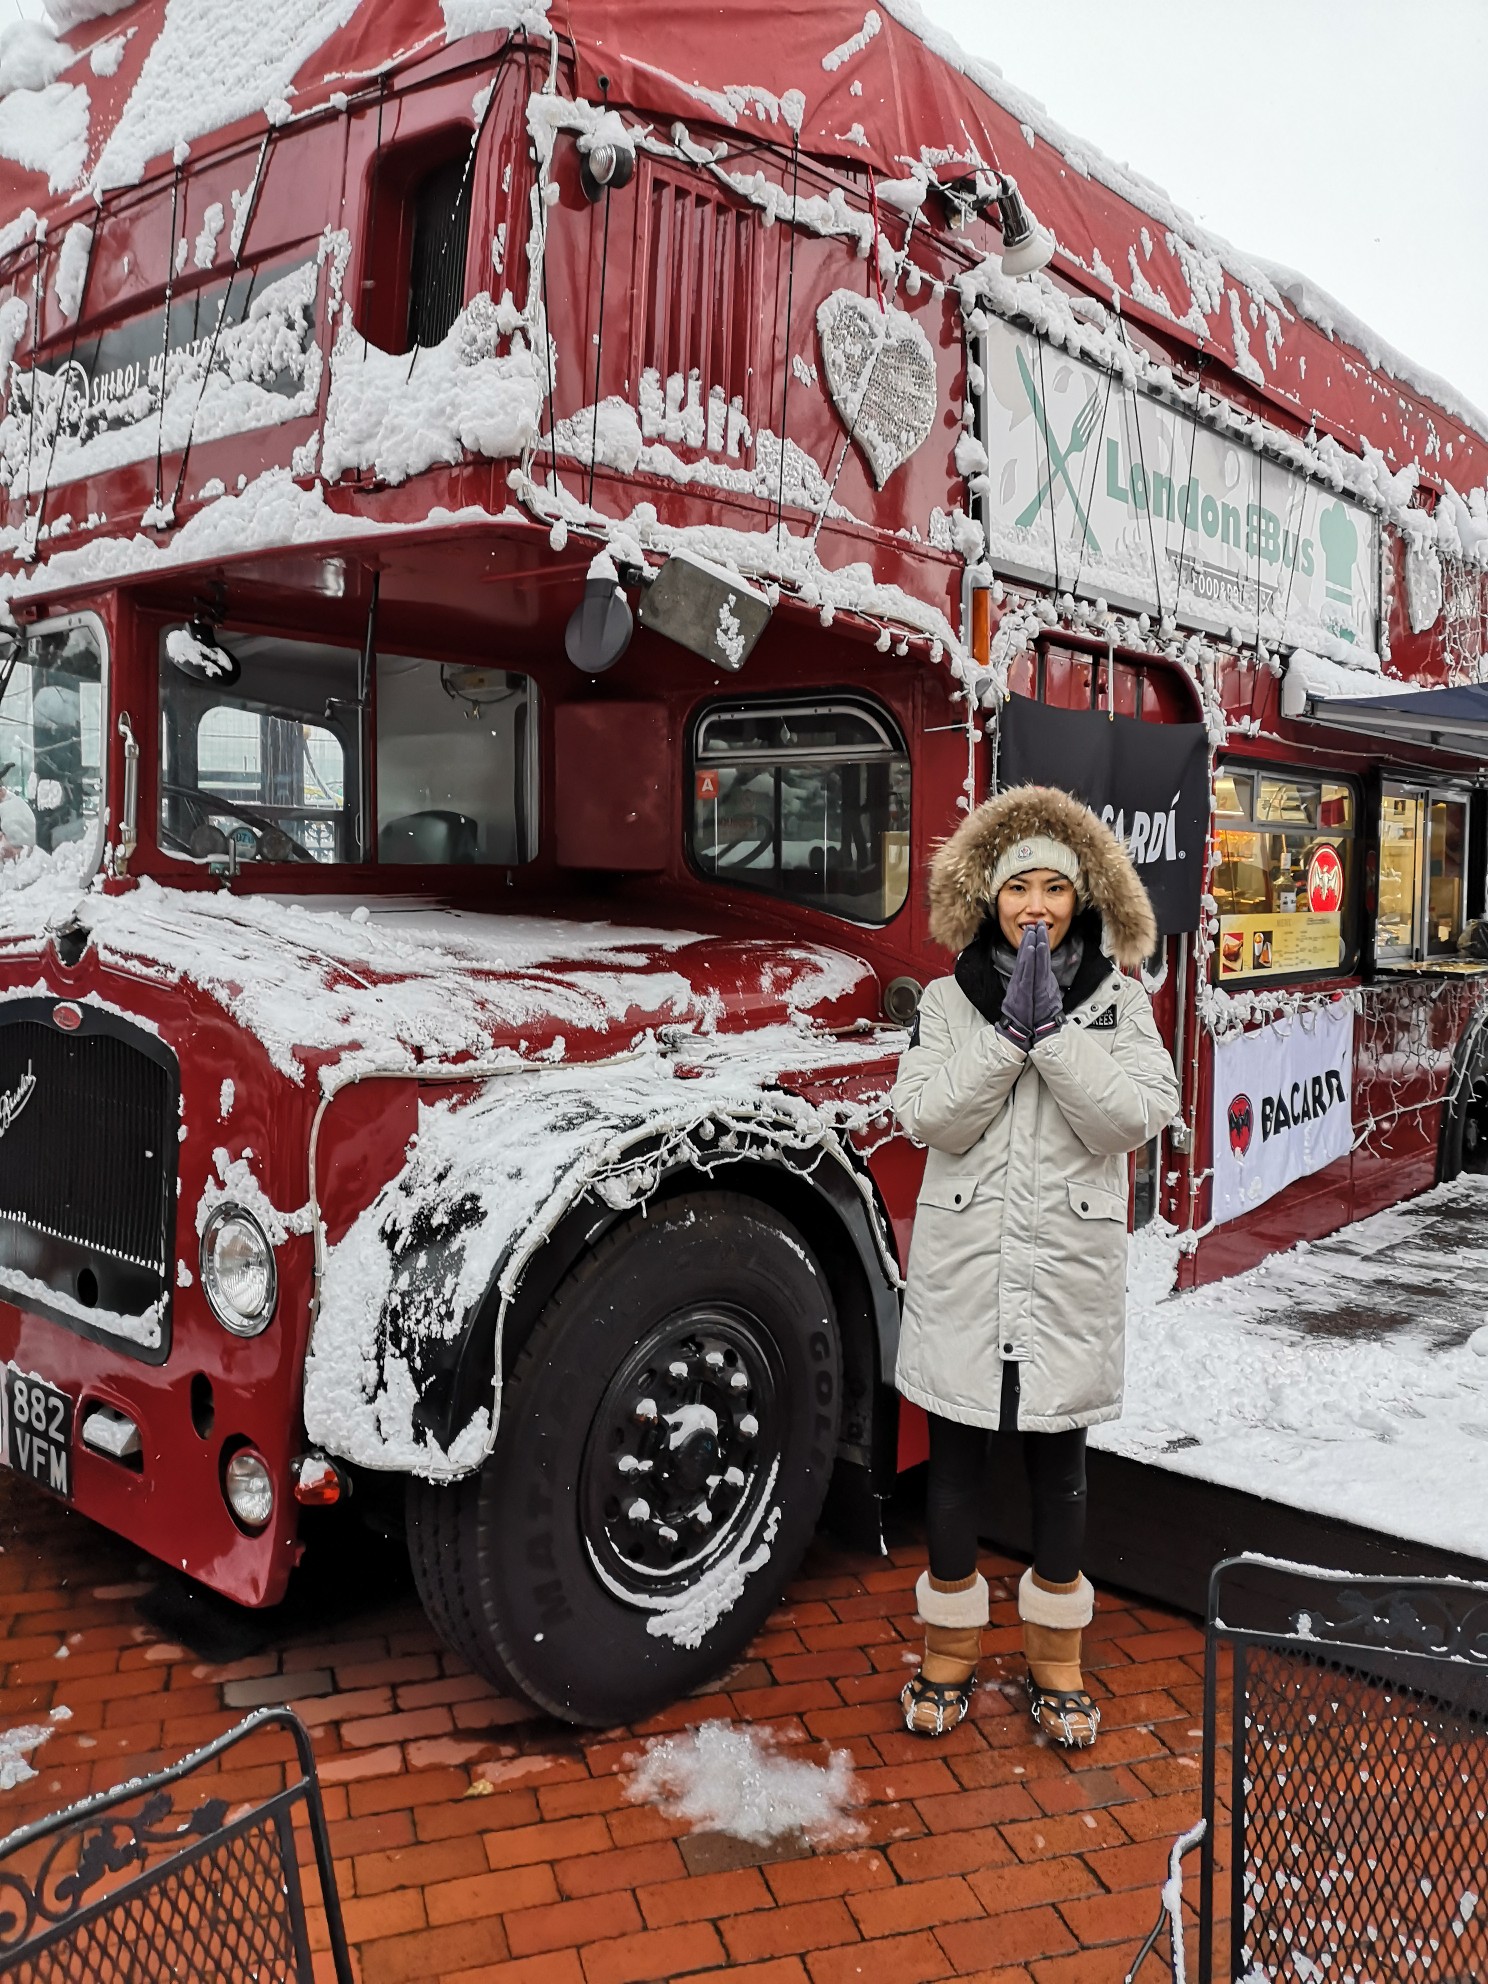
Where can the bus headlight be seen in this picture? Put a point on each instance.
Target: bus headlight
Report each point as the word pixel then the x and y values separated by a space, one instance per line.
pixel 238 1274
pixel 249 1488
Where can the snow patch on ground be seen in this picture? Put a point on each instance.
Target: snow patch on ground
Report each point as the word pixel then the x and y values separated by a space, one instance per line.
pixel 1343 1377
pixel 15 1746
pixel 726 1779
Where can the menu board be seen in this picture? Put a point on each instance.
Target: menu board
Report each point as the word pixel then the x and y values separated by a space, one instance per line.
pixel 1271 944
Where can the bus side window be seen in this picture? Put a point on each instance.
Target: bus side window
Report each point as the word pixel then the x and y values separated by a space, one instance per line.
pixel 807 800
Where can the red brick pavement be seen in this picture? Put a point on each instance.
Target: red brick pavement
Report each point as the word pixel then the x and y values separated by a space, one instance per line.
pixel 988 1854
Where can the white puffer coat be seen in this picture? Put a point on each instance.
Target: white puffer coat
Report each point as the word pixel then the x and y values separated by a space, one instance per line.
pixel 1019 1247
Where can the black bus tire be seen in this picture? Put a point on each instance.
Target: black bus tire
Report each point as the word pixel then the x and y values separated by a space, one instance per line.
pixel 548 1570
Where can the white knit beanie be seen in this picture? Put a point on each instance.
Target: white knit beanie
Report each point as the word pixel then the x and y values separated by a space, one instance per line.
pixel 1036 851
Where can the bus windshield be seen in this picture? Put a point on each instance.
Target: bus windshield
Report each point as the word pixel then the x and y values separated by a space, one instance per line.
pixel 263 757
pixel 51 770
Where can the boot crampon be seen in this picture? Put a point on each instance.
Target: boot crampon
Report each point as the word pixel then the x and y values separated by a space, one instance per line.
pixel 939 1696
pixel 1054 1616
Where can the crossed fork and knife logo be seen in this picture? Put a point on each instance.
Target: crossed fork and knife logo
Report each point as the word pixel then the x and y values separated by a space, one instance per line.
pixel 1083 428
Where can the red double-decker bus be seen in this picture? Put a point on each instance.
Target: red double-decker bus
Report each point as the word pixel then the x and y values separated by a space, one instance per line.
pixel 524 526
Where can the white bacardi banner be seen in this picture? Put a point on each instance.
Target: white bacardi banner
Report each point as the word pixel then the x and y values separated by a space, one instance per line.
pixel 1281 1105
pixel 1093 486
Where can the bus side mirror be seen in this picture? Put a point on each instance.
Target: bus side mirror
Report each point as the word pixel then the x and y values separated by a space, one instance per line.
pixel 197 652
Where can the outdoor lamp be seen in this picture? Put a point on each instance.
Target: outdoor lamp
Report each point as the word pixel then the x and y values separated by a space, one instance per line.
pixel 1025 245
pixel 604 165
pixel 600 626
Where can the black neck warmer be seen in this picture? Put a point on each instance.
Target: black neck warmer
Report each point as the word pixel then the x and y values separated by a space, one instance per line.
pixel 1080 965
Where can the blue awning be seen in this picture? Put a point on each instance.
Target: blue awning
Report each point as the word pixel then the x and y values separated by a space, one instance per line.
pixel 1435 719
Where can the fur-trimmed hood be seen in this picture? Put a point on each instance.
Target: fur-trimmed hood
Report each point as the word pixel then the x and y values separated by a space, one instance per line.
pixel 960 873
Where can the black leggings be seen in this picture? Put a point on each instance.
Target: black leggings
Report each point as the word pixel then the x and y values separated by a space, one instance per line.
pixel 958 1480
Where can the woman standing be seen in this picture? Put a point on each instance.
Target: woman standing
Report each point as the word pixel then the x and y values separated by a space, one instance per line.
pixel 1030 1074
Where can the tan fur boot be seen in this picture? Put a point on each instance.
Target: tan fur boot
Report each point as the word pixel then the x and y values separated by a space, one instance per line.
pixel 1054 1616
pixel 939 1695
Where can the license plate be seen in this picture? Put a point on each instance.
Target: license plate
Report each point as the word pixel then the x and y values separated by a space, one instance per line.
pixel 38 1431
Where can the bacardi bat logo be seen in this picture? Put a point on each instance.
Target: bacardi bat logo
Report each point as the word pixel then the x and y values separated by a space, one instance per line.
pixel 11 1105
pixel 1242 1124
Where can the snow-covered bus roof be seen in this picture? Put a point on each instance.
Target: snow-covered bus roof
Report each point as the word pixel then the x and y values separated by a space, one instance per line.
pixel 879 90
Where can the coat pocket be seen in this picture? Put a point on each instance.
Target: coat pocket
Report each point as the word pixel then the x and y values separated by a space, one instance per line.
pixel 1096 1201
pixel 951 1194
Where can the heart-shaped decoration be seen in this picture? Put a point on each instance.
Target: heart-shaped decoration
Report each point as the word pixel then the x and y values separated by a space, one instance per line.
pixel 881 374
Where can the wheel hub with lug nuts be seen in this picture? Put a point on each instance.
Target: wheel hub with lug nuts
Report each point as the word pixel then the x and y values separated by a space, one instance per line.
pixel 680 1450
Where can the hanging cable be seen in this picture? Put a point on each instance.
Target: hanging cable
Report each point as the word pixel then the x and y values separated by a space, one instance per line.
pixel 790 296
pixel 77 325
pixel 604 263
pixel 369 280
pixel 474 146
pixel 35 340
pixel 1043 426
pixel 873 252
pixel 170 290
pixel 542 248
pixel 1260 509
pixel 250 207
pixel 1136 405
pixel 1100 443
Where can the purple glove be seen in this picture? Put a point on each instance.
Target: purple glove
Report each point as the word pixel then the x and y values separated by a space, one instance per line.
pixel 1048 1000
pixel 1032 1006
pixel 1015 1022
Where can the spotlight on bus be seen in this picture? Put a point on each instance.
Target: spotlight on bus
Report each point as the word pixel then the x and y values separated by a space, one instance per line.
pixel 604 167
pixel 600 626
pixel 1025 245
pixel 706 609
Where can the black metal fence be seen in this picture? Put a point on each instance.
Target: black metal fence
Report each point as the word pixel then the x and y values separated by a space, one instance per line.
pixel 163 1879
pixel 1347 1841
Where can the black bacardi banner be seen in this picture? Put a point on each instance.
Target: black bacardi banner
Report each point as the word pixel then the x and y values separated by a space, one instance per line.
pixel 1148 781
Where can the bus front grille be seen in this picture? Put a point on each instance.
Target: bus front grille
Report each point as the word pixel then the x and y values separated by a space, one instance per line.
pixel 88 1130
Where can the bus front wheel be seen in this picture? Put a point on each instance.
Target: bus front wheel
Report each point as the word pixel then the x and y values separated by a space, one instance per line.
pixel 665 1442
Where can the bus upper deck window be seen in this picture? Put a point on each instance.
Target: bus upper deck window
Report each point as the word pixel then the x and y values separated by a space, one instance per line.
pixel 1284 862
pixel 807 800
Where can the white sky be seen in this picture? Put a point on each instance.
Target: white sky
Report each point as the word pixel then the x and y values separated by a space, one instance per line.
pixel 1347 138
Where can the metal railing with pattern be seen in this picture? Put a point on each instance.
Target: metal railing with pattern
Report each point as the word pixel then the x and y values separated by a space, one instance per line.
pixel 1357 1787
pixel 137 1884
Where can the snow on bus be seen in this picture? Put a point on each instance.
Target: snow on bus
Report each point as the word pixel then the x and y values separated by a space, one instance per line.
pixel 513 558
